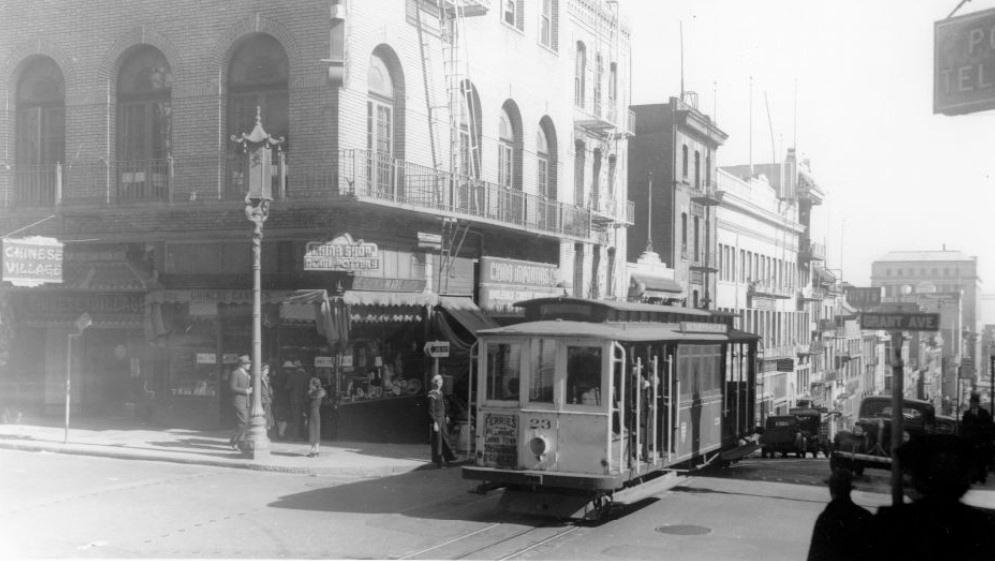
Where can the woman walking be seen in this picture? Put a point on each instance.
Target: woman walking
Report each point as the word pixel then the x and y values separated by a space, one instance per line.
pixel 315 394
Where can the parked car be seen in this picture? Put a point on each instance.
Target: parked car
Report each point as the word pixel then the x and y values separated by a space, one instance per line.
pixel 784 434
pixel 947 425
pixel 868 444
pixel 815 423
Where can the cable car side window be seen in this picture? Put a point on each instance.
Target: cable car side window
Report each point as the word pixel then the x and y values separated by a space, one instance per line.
pixel 583 375
pixel 504 364
pixel 543 365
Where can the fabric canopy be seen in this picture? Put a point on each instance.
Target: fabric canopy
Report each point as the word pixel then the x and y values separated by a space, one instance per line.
pixel 466 312
pixel 372 298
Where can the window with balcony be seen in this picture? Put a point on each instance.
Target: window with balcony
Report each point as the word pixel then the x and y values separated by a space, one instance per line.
pixel 258 81
pixel 580 153
pixel 41 131
pixel 549 22
pixel 580 72
pixel 512 201
pixel 380 127
pixel 144 123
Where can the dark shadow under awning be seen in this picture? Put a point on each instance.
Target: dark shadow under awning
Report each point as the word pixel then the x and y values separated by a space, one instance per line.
pixel 466 312
pixel 653 286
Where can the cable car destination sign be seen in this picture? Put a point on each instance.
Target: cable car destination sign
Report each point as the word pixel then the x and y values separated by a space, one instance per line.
pixel 900 321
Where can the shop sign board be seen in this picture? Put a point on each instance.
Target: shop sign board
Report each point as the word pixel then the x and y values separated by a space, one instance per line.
pixel 32 261
pixel 964 63
pixel 324 362
pixel 506 281
pixel 437 349
pixel 900 321
pixel 341 254
pixel 207 358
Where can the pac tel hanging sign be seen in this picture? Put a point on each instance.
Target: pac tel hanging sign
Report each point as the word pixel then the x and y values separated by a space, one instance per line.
pixel 32 261
pixel 341 254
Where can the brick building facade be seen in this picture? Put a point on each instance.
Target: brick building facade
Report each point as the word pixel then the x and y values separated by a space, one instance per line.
pixel 457 143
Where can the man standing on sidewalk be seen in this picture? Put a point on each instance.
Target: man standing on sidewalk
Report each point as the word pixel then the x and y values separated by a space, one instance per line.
pixel 241 388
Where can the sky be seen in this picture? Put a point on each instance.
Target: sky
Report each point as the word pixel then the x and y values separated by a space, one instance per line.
pixel 849 83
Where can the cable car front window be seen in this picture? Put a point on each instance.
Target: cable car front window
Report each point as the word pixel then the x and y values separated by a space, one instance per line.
pixel 503 371
pixel 584 375
pixel 543 365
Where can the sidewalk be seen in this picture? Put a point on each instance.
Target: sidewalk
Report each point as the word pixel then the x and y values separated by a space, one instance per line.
pixel 125 438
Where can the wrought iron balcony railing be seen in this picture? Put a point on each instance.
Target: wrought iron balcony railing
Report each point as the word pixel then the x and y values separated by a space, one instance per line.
pixel 358 174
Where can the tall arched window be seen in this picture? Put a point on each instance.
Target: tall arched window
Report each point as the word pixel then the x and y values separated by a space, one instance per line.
pixel 542 163
pixel 506 151
pixel 144 124
pixel 41 131
pixel 580 153
pixel 380 125
pixel 684 233
pixel 684 161
pixel 258 77
pixel 596 180
pixel 580 70
pixel 697 169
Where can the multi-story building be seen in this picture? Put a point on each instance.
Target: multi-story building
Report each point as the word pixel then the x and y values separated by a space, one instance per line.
pixel 758 234
pixel 672 163
pixel 904 273
pixel 944 282
pixel 435 156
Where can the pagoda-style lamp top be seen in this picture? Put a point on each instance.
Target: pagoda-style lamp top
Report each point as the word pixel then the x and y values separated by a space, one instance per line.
pixel 259 145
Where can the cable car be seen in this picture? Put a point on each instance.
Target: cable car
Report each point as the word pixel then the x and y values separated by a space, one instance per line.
pixel 586 398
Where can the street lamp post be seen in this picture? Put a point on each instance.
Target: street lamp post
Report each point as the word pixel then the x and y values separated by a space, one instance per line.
pixel 259 145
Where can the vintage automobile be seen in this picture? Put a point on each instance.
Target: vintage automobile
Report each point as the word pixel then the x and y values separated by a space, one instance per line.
pixel 946 424
pixel 784 434
pixel 868 444
pixel 815 424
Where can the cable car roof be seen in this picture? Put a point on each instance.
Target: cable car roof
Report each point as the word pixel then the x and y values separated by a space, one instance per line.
pixel 637 331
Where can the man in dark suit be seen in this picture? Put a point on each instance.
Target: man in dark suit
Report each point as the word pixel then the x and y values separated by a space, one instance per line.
pixel 240 383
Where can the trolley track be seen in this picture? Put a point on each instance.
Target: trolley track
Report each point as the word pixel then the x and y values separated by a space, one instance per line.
pixel 497 541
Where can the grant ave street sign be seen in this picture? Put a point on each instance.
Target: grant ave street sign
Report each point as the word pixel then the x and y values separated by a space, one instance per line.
pixel 900 321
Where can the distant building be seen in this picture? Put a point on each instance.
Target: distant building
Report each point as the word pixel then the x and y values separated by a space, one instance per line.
pixel 674 151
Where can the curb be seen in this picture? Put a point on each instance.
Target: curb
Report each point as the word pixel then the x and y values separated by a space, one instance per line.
pixel 127 454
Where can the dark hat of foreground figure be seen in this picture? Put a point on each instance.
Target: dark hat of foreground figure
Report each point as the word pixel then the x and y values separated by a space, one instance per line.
pixel 244 359
pixel 841 480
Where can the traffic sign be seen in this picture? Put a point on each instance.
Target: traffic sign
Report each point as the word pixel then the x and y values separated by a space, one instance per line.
pixel 900 321
pixel 437 349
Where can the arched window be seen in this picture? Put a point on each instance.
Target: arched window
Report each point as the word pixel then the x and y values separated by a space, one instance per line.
pixel 41 131
pixel 684 232
pixel 596 180
pixel 506 151
pixel 580 70
pixel 258 77
pixel 684 161
pixel 380 124
pixel 580 152
pixel 144 124
pixel 542 163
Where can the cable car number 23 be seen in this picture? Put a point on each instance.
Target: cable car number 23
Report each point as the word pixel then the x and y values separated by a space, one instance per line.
pixel 537 424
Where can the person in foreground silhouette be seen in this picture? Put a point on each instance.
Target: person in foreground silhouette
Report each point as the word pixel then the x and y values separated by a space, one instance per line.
pixel 837 531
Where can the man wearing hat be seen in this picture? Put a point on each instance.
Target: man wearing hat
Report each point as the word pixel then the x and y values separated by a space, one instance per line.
pixel 240 383
pixel 837 531
pixel 936 524
pixel 978 430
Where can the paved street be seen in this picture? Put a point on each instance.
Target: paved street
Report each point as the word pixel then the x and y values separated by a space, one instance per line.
pixel 70 506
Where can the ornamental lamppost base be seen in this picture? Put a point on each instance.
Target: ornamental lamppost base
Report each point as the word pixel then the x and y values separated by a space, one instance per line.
pixel 255 446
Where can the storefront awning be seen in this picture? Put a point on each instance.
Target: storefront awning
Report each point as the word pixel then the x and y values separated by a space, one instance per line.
pixel 466 312
pixel 654 286
pixel 371 298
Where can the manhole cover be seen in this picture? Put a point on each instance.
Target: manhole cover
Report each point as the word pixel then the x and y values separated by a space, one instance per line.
pixel 684 530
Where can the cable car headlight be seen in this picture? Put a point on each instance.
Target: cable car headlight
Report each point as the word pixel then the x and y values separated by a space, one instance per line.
pixel 538 446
